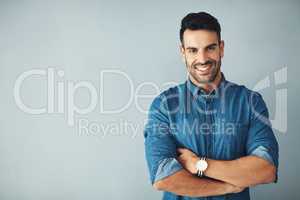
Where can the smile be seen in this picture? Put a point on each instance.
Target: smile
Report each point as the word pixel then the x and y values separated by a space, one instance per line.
pixel 203 70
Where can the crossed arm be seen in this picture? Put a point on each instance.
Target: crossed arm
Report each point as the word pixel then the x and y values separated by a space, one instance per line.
pixel 227 176
pixel 243 172
pixel 186 184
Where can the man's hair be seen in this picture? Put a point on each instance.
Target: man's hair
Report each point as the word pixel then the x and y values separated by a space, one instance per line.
pixel 200 21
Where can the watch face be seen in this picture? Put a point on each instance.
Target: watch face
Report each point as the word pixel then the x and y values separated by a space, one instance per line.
pixel 201 165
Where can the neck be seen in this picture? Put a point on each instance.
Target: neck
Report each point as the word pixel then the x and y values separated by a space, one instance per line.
pixel 210 86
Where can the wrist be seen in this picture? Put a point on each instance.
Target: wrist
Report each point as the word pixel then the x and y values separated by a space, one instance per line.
pixel 211 167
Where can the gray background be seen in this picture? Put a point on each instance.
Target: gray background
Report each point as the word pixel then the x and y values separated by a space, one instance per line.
pixel 41 157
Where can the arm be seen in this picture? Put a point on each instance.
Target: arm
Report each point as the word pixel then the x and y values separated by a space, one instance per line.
pixel 243 172
pixel 166 173
pixel 185 184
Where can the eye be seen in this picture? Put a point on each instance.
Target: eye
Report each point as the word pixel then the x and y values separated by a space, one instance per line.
pixel 192 50
pixel 211 48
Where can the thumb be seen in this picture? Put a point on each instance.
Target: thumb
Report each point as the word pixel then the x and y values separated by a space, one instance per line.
pixel 180 150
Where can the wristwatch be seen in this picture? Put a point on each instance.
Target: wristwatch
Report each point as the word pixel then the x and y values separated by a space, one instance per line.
pixel 201 166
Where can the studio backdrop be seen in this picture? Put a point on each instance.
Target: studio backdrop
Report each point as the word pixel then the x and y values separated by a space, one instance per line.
pixel 77 79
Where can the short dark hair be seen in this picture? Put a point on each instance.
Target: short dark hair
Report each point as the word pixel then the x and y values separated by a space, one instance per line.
pixel 200 21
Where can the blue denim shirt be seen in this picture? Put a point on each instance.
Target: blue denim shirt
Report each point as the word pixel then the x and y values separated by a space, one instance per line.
pixel 226 124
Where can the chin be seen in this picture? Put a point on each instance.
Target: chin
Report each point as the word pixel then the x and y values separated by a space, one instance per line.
pixel 204 79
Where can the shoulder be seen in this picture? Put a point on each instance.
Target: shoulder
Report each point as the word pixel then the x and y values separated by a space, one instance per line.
pixel 171 94
pixel 241 91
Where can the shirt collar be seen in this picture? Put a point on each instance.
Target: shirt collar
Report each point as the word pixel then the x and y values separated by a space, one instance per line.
pixel 195 90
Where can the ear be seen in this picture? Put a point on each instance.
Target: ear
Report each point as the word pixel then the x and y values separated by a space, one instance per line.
pixel 182 53
pixel 222 48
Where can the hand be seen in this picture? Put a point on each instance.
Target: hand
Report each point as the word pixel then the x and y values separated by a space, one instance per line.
pixel 188 159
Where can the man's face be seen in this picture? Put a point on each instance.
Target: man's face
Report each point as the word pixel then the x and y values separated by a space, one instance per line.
pixel 202 53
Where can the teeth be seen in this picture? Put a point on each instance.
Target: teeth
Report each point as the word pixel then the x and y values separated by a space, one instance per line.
pixel 202 68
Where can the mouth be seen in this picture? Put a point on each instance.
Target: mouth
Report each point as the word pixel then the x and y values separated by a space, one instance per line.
pixel 203 70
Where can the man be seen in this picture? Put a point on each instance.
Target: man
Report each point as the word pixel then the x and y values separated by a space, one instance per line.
pixel 208 138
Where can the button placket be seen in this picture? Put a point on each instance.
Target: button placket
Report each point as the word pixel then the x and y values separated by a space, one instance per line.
pixel 209 121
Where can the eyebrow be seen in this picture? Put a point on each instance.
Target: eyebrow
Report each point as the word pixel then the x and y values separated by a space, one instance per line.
pixel 210 45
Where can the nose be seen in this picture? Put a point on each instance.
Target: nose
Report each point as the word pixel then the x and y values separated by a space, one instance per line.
pixel 201 57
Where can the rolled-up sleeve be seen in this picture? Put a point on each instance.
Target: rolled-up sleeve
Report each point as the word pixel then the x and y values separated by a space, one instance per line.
pixel 261 140
pixel 160 146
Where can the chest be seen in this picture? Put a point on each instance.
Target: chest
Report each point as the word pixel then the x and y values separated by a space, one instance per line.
pixel 212 129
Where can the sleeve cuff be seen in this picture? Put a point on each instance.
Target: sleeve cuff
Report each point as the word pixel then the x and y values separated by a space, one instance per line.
pixel 167 167
pixel 262 152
